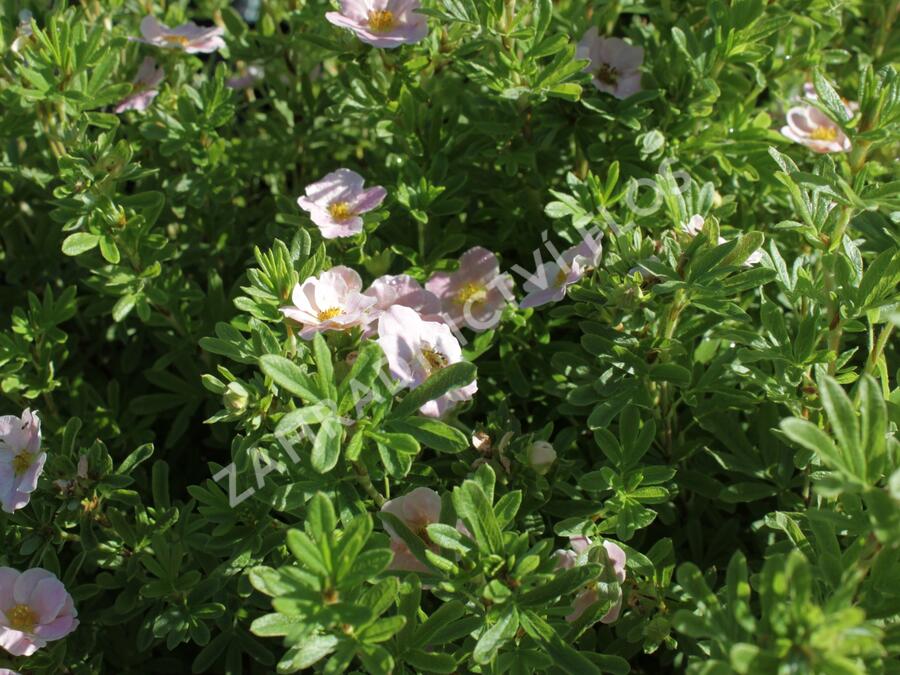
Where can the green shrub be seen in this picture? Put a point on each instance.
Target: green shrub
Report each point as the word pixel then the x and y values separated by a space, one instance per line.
pixel 527 337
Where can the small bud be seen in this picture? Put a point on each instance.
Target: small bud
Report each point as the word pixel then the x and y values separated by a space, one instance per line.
pixel 541 456
pixel 236 397
pixel 379 264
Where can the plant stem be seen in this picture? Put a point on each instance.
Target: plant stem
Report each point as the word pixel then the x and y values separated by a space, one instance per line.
pixel 878 348
pixel 421 229
pixel 835 330
pixel 365 481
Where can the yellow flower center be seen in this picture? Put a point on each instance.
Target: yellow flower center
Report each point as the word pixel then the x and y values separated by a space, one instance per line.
pixel 468 292
pixel 329 313
pixel 340 210
pixel 180 40
pixel 607 74
pixel 21 462
pixel 434 359
pixel 22 618
pixel 381 20
pixel 824 133
pixel 560 279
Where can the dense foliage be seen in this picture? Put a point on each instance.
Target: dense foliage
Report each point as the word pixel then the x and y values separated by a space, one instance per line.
pixel 626 401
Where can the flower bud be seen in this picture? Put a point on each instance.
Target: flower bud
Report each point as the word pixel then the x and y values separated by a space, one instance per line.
pixel 236 397
pixel 379 264
pixel 541 456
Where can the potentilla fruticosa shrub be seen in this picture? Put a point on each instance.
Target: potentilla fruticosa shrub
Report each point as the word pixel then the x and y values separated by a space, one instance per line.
pixel 449 336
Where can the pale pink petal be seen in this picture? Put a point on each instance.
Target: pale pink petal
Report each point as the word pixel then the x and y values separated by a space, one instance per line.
pixel 18 643
pixel 628 85
pixel 57 628
pixel 368 199
pixel 8 578
pixel 582 602
pixel 48 599
pixel 617 557
pixel 151 29
pixel 27 583
pixel 799 120
pixel 613 614
pixel 626 58
pixel 356 10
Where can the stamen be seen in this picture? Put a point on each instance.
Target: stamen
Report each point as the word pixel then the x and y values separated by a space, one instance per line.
pixel 176 40
pixel 381 20
pixel 469 291
pixel 824 133
pixel 560 279
pixel 329 313
pixel 607 74
pixel 340 210
pixel 434 359
pixel 21 463
pixel 22 618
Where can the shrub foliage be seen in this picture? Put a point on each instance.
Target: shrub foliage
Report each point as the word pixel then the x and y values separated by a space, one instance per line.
pixel 670 446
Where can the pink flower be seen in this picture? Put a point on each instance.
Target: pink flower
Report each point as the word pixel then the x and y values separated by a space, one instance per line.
pixel 552 279
pixel 415 349
pixel 21 459
pixel 417 510
pixel 694 226
pixel 576 555
pixel 382 23
pixel 34 609
pixel 189 37
pixel 331 301
pixel 144 87
pixel 614 64
pixel 400 289
pixel 809 126
pixel 336 202
pixel 7 671
pixel 476 293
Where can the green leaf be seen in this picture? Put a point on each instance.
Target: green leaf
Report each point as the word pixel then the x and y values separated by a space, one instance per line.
pixel 433 433
pixel 377 660
pixel 873 413
pixel 473 506
pixel 351 543
pixel 829 97
pixel 447 536
pixel 356 387
pixel 447 379
pixel 842 419
pixel 320 517
pixel 289 377
pixel 308 653
pixel 109 250
pixel 812 438
pixel 383 629
pixel 429 662
pixel 80 242
pixel 324 367
pixel 367 566
pixel 327 446
pixel 306 552
pixel 442 617
pixel 507 507
pixel 494 637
